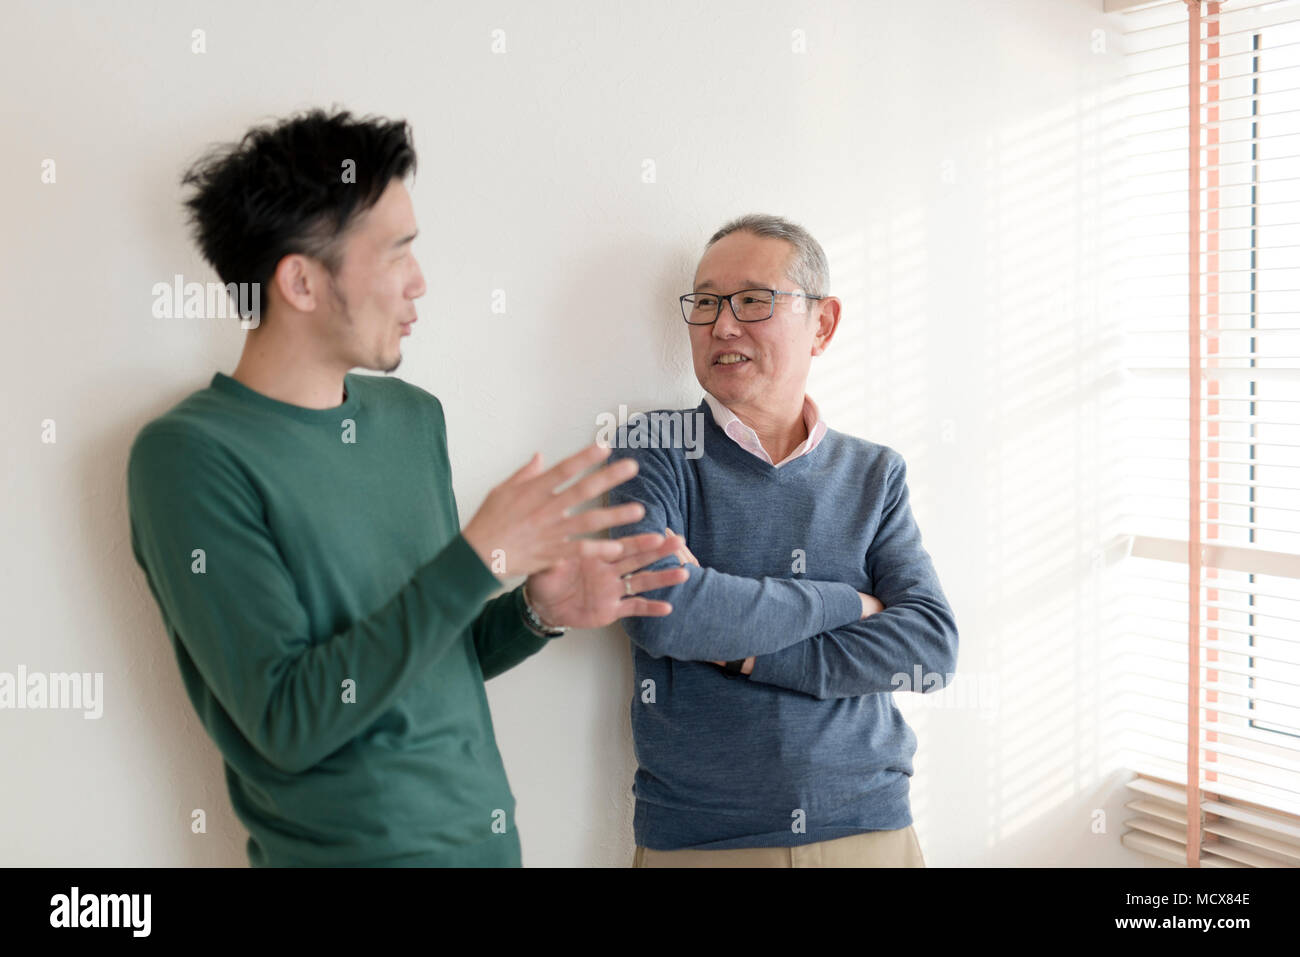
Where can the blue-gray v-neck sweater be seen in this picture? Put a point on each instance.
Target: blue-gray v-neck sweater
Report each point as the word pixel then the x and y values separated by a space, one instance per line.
pixel 810 746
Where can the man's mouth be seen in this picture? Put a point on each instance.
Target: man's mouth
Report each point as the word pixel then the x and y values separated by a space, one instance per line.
pixel 730 358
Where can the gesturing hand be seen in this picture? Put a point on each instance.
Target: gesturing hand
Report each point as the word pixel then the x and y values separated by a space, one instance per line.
pixel 590 591
pixel 525 523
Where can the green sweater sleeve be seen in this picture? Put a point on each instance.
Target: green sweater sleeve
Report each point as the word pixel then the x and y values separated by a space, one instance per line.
pixel 198 530
pixel 501 639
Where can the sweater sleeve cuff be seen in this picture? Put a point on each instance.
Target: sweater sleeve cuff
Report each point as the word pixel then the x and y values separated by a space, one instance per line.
pixel 840 605
pixel 788 668
pixel 459 575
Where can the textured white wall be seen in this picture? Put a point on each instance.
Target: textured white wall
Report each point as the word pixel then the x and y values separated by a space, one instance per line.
pixel 944 152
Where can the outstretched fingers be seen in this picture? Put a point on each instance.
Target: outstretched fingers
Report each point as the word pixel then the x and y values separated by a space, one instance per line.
pixel 600 519
pixel 594 485
pixel 646 549
pixel 643 608
pixel 605 549
pixel 649 581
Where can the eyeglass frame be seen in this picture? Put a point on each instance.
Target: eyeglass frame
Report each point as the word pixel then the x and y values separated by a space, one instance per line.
pixel 718 315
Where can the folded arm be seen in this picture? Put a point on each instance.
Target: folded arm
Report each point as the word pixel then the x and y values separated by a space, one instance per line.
pixel 882 653
pixel 716 615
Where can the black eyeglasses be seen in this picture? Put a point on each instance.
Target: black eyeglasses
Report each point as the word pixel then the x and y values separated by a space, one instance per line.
pixel 747 305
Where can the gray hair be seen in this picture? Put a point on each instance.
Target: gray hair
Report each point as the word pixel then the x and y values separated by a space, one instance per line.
pixel 808 269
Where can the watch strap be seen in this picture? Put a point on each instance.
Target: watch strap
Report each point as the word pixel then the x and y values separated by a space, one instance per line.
pixel 533 622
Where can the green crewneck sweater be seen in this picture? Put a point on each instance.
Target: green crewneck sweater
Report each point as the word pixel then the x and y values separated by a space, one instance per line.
pixel 331 623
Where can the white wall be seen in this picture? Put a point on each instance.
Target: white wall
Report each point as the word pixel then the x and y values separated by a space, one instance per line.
pixel 946 154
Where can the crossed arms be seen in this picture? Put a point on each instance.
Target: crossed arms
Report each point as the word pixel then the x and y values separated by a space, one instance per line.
pixel 805 635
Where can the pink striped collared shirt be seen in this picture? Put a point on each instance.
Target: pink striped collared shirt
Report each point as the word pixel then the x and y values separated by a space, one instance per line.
pixel 747 438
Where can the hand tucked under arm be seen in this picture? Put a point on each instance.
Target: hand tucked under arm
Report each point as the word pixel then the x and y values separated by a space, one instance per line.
pixel 915 630
pixel 870 605
pixel 879 654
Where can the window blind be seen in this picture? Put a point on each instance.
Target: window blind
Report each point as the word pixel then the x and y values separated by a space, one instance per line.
pixel 1207 138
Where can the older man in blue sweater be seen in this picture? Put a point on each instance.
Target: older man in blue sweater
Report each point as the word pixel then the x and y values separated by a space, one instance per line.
pixel 763 714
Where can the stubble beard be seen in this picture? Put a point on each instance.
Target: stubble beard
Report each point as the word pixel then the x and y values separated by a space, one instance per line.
pixel 350 323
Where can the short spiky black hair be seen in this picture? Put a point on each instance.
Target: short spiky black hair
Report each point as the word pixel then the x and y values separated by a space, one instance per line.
pixel 281 189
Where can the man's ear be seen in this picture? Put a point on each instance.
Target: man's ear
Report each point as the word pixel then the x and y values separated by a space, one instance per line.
pixel 300 282
pixel 827 317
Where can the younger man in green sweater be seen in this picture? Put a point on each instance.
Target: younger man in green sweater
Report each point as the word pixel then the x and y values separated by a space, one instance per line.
pixel 297 526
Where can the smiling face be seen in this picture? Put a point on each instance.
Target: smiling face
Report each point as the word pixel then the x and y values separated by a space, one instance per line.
pixel 376 284
pixel 774 355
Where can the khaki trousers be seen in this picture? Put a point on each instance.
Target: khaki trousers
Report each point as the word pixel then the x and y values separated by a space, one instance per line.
pixel 870 849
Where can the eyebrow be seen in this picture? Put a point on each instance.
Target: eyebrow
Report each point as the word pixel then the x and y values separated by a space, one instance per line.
pixel 405 239
pixel 750 284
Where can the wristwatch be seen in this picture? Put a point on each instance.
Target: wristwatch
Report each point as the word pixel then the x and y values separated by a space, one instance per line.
pixel 732 668
pixel 533 622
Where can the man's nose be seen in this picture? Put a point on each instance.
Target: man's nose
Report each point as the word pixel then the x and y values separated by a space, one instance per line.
pixel 727 324
pixel 420 287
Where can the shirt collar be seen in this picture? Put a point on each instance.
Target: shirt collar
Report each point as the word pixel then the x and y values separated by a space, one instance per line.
pixel 731 424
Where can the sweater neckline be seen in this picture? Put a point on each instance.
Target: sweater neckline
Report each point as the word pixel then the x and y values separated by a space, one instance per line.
pixel 251 397
pixel 732 451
